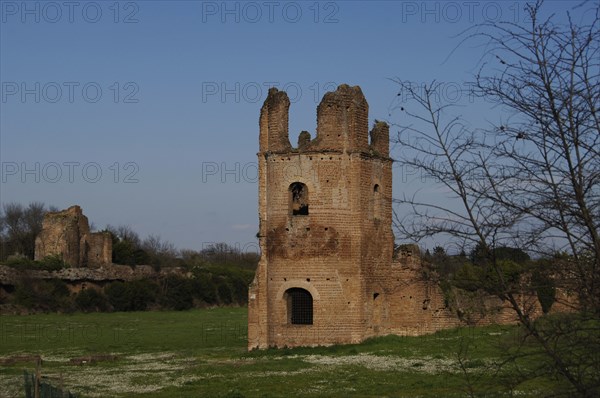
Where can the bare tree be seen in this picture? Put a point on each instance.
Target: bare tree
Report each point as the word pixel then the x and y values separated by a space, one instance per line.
pixel 13 221
pixel 550 82
pixel 20 226
pixel 155 245
pixel 531 181
pixel 125 232
pixel 161 252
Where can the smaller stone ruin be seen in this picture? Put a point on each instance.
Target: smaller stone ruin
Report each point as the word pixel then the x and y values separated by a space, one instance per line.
pixel 67 234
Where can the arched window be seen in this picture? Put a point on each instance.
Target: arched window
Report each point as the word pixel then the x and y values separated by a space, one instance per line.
pixel 298 199
pixel 376 202
pixel 299 306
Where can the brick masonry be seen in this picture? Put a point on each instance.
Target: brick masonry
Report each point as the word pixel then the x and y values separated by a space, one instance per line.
pixel 67 234
pixel 342 251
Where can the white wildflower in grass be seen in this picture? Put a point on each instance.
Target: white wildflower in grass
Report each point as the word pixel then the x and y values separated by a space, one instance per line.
pixel 386 363
pixel 11 385
pixel 131 374
pixel 151 356
pixel 150 372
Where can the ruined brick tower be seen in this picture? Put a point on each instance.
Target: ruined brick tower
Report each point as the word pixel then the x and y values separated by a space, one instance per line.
pixel 67 234
pixel 325 225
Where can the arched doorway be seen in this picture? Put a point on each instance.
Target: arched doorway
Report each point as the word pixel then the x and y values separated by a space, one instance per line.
pixel 299 306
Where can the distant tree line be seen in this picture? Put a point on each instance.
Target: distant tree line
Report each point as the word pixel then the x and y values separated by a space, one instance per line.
pixel 20 225
pixel 130 249
pixel 219 274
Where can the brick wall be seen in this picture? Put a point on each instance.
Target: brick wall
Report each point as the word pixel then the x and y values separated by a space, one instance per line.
pixel 67 234
pixel 342 251
pixel 346 235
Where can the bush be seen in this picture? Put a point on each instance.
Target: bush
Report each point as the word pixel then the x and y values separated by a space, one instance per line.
pixel 90 300
pixel 203 287
pixel 473 277
pixel 48 263
pixel 511 275
pixel 131 296
pixel 240 290
pixel 46 295
pixel 128 253
pixel 224 292
pixel 18 261
pixel 51 263
pixel 468 278
pixel 236 280
pixel 118 296
pixel 178 293
pixel 544 288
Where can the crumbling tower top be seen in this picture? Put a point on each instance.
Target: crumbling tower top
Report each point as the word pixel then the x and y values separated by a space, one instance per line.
pixel 274 122
pixel 343 120
pixel 342 125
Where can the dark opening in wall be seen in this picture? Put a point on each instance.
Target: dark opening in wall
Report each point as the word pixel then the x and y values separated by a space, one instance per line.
pixel 299 199
pixel 376 202
pixel 299 306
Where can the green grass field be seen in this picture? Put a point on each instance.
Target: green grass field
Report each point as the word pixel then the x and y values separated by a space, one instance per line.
pixel 202 353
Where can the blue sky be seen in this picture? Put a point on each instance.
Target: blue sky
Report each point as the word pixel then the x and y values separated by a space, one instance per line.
pixel 145 113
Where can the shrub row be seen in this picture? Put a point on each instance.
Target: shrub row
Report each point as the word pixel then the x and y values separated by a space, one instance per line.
pixel 173 292
pixel 48 263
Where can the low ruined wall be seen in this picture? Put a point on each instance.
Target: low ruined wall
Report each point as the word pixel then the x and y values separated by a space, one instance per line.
pixel 10 276
pixel 405 301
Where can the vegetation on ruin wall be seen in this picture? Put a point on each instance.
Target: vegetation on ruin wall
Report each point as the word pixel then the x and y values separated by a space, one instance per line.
pixel 203 353
pixel 48 263
pixel 467 280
